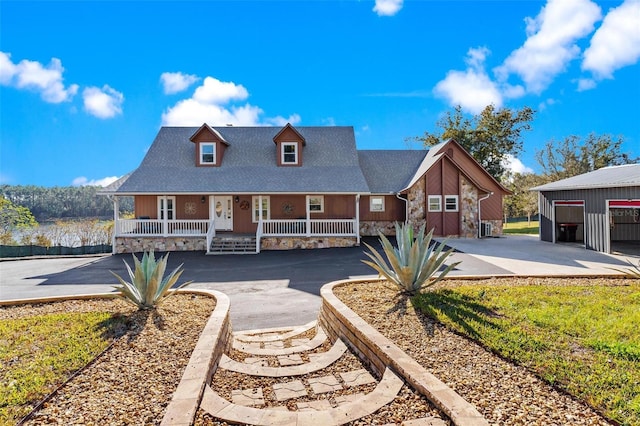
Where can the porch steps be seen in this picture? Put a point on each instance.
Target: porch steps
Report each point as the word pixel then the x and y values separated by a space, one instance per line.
pixel 233 244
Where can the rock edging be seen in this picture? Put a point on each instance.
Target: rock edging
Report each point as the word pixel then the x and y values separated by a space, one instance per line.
pixel 213 342
pixel 341 322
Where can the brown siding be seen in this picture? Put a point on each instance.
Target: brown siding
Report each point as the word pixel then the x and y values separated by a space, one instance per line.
pixel 443 179
pixel 146 206
pixel 202 209
pixel 288 135
pixel 394 209
pixel 492 207
pixel 296 202
pixel 337 207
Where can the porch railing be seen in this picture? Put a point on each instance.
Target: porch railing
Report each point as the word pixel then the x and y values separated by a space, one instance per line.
pixel 308 228
pixel 158 227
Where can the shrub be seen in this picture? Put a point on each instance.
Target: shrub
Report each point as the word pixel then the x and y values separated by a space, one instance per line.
pixel 148 287
pixel 413 263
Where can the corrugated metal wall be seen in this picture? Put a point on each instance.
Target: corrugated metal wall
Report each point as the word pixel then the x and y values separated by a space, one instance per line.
pixel 596 225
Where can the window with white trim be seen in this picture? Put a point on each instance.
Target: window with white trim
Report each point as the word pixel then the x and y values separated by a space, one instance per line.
pixel 266 208
pixel 316 204
pixel 434 203
pixel 171 203
pixel 208 153
pixel 289 153
pixel 376 204
pixel 450 203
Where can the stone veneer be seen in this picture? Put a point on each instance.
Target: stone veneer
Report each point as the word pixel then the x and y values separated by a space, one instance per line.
pixel 416 204
pixel 468 209
pixel 290 243
pixel 140 244
pixel 373 228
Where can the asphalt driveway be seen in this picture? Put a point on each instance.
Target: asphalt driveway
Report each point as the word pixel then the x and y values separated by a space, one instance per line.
pixel 282 288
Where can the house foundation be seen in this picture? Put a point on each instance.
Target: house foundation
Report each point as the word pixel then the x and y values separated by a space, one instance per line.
pixel 292 243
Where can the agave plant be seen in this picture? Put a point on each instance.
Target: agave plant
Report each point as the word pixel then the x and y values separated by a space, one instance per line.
pixel 633 272
pixel 148 286
pixel 413 264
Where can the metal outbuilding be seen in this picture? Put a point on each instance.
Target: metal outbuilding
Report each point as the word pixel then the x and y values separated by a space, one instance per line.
pixel 599 209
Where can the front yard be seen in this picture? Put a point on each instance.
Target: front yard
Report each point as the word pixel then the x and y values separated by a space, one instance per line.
pixel 580 336
pixel 132 382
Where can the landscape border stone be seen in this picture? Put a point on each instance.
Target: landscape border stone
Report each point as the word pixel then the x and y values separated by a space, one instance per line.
pixel 214 341
pixel 340 321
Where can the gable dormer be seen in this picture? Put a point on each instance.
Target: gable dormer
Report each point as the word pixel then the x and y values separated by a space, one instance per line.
pixel 289 143
pixel 210 146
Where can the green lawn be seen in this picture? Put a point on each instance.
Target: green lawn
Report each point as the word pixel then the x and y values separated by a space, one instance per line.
pixel 521 227
pixel 583 338
pixel 39 353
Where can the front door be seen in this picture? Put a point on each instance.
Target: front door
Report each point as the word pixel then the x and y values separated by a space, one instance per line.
pixel 222 208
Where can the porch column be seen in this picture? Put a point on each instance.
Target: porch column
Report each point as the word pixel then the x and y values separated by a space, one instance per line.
pixel 116 225
pixel 357 221
pixel 308 215
pixel 260 213
pixel 165 215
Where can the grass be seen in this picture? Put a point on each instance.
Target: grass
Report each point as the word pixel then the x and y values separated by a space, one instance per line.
pixel 523 227
pixel 38 353
pixel 583 339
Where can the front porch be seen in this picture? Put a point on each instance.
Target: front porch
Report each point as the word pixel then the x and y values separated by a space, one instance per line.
pixel 136 235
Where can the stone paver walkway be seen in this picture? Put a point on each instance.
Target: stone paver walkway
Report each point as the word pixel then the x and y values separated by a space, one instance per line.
pixel 296 376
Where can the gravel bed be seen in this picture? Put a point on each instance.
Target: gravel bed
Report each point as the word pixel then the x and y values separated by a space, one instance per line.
pixel 133 381
pixel 504 393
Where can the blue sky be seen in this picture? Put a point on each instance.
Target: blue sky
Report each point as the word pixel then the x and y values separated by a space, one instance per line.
pixel 85 86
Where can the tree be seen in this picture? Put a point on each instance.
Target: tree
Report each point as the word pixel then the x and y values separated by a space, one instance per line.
pixel 571 157
pixel 491 137
pixel 13 216
pixel 522 201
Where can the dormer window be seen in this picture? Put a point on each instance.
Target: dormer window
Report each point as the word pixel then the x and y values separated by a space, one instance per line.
pixel 289 153
pixel 209 146
pixel 289 146
pixel 207 153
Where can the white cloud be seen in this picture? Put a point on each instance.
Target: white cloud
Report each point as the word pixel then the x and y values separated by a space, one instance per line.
pixel 32 75
pixel 83 181
pixel 387 7
pixel 103 103
pixel 515 165
pixel 472 89
pixel 210 104
pixel 329 121
pixel 616 43
pixel 586 84
pixel 7 68
pixel 174 82
pixel 550 45
pixel 214 91
pixel 281 121
pixel 543 105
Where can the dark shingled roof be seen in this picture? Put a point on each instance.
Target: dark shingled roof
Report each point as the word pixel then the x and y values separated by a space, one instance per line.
pixel 330 164
pixel 607 177
pixel 389 171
